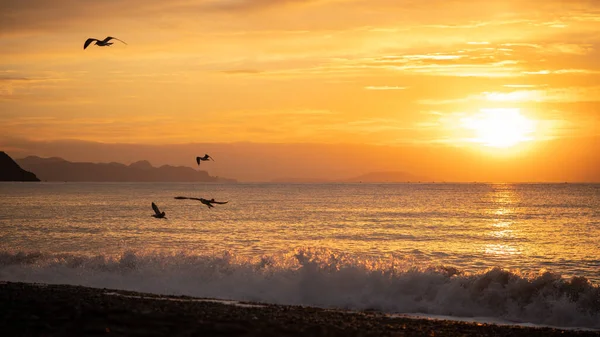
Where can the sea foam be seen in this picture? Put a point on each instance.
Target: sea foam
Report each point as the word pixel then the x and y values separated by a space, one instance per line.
pixel 327 279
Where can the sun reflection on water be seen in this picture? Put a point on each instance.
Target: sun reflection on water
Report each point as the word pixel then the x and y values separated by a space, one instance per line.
pixel 499 249
pixel 507 233
pixel 502 230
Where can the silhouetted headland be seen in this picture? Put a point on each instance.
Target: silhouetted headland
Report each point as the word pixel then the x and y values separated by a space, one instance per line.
pixel 58 169
pixel 11 171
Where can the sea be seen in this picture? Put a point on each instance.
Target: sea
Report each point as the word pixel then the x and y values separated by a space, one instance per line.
pixel 513 253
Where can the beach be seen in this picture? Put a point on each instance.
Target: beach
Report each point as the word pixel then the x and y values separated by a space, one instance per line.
pixel 28 309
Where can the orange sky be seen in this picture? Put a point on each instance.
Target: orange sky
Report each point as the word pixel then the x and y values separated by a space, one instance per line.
pixel 416 76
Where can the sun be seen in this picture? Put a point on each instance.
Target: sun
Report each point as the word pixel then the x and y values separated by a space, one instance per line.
pixel 501 127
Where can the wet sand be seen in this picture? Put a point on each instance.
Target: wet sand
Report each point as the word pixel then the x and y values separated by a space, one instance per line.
pixel 63 310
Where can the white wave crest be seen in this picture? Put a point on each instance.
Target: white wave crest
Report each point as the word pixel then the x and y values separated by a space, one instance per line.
pixel 325 279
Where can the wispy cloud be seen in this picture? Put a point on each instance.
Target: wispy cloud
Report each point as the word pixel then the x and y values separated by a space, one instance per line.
pixel 524 85
pixel 557 95
pixel 13 86
pixel 38 15
pixel 476 64
pixel 563 71
pixel 384 87
pixel 570 48
pixel 241 71
pixel 434 56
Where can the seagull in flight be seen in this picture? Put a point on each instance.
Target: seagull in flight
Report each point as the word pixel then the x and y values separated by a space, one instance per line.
pixel 157 213
pixel 205 158
pixel 102 43
pixel 208 203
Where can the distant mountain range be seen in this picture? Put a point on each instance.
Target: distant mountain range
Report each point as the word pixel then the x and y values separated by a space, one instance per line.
pixel 58 169
pixel 11 171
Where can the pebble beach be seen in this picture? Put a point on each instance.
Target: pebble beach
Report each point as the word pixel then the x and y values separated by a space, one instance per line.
pixel 28 309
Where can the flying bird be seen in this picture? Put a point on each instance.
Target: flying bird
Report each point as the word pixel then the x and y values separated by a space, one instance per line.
pixel 205 158
pixel 157 212
pixel 208 203
pixel 102 43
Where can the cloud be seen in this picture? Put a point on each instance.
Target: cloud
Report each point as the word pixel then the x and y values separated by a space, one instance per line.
pixel 247 4
pixel 381 130
pixel 523 85
pixel 551 95
pixel 7 85
pixel 477 62
pixel 384 87
pixel 241 71
pixel 147 128
pixel 434 56
pixel 39 15
pixel 570 48
pixel 10 86
pixel 563 71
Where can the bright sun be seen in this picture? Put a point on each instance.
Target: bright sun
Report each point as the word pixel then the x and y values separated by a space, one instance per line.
pixel 500 127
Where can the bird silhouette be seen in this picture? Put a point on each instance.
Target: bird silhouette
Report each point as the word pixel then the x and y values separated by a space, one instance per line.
pixel 205 158
pixel 208 203
pixel 101 43
pixel 157 213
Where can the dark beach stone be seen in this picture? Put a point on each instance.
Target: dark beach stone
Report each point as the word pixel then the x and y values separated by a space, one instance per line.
pixel 62 310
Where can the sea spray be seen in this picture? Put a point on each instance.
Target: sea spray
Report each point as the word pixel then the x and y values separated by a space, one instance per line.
pixel 323 278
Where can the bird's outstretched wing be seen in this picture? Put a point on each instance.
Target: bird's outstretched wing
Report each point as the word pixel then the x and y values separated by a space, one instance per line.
pixel 219 202
pixel 155 208
pixel 179 198
pixel 211 158
pixel 88 41
pixel 198 160
pixel 108 38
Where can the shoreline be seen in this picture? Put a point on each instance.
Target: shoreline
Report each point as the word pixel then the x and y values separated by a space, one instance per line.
pixel 34 309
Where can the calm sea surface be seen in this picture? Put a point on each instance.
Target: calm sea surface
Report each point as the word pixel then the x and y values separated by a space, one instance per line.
pixel 101 234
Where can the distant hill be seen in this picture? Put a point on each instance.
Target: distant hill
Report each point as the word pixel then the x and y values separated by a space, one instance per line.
pixel 11 171
pixel 58 169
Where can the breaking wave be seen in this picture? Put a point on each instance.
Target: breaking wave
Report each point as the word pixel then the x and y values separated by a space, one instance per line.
pixel 326 279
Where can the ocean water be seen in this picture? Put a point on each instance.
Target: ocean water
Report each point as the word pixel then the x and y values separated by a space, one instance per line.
pixel 523 253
